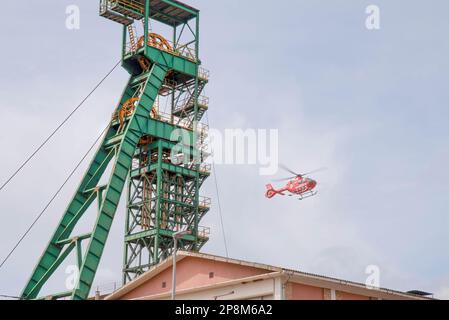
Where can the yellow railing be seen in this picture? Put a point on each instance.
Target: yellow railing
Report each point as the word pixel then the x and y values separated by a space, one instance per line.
pixel 203 101
pixel 203 73
pixel 203 232
pixel 186 52
pixel 130 4
pixel 182 51
pixel 205 167
pixel 183 123
pixel 205 202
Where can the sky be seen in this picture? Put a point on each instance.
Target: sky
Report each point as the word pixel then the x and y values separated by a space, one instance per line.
pixel 370 105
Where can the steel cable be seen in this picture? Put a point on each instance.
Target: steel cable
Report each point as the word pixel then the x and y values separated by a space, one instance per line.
pixel 35 152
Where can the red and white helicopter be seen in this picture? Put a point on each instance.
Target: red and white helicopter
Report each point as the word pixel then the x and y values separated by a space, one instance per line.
pixel 298 185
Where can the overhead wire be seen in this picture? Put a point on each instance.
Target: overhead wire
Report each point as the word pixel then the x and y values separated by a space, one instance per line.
pixel 9 296
pixel 39 148
pixel 39 216
pixel 220 211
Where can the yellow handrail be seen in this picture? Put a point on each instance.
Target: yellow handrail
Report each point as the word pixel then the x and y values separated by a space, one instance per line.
pixel 137 6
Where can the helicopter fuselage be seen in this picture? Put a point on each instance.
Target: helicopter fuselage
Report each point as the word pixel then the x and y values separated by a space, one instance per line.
pixel 297 186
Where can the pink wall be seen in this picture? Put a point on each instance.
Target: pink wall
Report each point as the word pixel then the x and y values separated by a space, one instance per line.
pixel 350 296
pixel 296 291
pixel 299 291
pixel 193 272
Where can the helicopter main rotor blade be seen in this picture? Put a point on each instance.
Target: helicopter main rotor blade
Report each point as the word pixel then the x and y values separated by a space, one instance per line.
pixel 314 171
pixel 282 166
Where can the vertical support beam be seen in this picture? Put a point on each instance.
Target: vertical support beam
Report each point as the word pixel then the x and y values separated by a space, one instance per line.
pixel 197 53
pixel 173 282
pixel 125 249
pixel 158 200
pixel 278 288
pixel 100 198
pixel 175 42
pixel 197 200
pixel 197 37
pixel 124 43
pixel 79 254
pixel 333 294
pixel 197 157
pixel 147 21
pixel 175 45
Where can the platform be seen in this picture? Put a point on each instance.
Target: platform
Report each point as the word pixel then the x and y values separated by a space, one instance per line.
pixel 171 12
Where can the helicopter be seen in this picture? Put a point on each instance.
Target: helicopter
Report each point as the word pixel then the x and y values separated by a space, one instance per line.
pixel 297 185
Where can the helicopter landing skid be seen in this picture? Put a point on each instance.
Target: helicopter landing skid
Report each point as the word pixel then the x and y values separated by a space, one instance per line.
pixel 307 195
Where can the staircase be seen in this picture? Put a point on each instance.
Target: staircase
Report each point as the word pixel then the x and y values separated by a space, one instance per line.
pixel 186 108
pixel 132 37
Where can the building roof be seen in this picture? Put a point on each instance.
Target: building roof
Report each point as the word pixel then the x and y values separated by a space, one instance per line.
pixel 420 293
pixel 293 275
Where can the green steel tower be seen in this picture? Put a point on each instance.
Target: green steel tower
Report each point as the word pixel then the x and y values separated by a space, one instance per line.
pixel 159 154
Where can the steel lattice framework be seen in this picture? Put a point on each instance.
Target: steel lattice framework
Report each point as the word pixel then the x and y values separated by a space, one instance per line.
pixel 163 192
